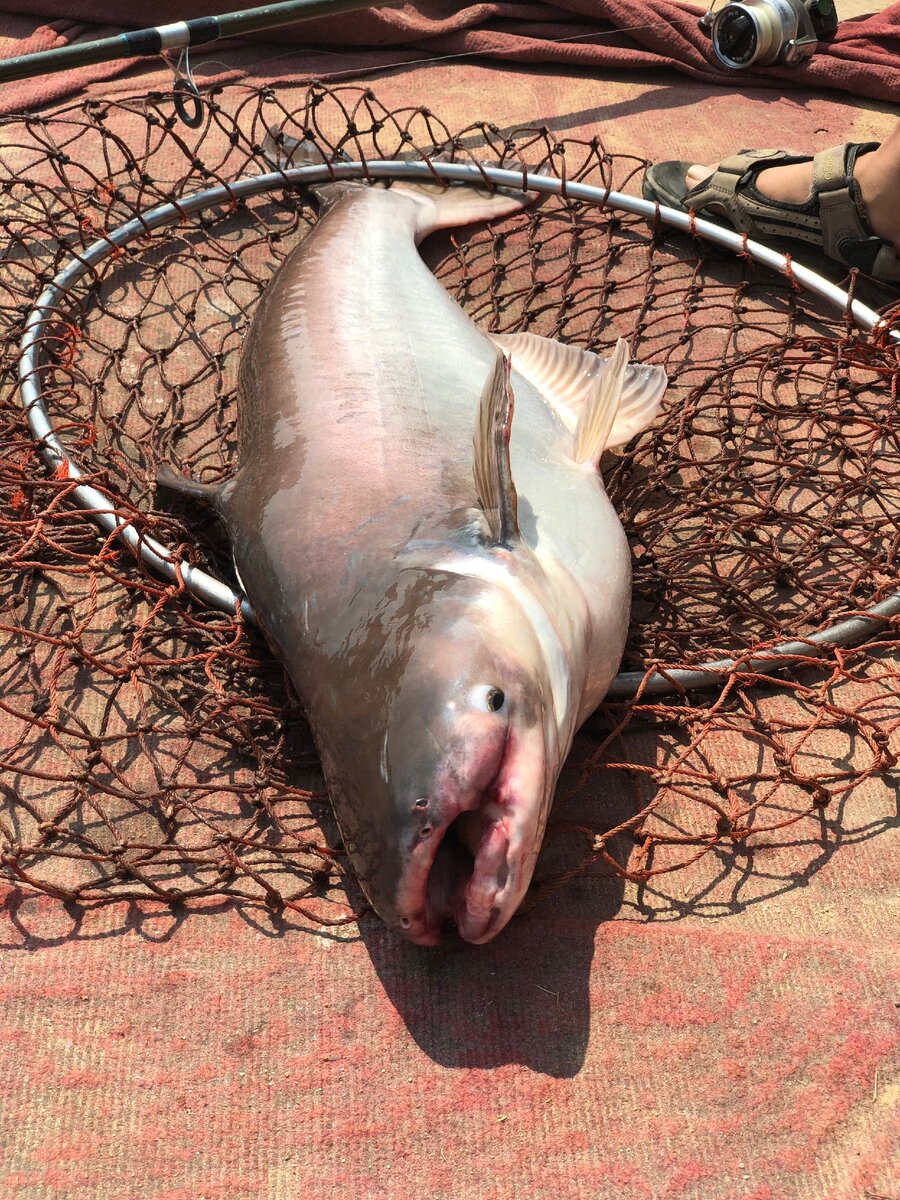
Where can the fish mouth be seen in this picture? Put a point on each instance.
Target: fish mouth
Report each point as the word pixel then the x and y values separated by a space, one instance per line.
pixel 472 859
pixel 467 874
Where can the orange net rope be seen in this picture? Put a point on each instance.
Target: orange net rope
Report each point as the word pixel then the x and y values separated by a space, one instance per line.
pixel 152 749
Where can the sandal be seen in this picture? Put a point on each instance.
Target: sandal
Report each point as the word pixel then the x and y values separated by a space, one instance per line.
pixel 834 218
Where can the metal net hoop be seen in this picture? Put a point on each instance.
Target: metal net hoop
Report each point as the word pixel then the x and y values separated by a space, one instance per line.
pixel 150 748
pixel 219 594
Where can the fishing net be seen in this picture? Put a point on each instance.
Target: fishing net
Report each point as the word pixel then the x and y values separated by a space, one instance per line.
pixel 152 749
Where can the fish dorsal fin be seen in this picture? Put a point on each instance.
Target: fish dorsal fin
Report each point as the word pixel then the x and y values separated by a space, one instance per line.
pixel 491 465
pixel 566 376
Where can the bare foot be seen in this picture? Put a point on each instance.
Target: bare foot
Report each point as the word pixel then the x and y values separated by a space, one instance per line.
pixel 792 184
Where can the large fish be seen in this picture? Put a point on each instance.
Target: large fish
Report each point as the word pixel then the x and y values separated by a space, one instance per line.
pixel 419 522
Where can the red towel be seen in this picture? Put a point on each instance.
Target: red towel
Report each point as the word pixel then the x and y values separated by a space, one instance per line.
pixel 863 58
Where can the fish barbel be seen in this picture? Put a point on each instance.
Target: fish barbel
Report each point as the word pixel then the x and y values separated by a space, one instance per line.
pixel 419 522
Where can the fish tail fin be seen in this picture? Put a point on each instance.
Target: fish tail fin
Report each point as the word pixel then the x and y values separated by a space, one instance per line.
pixel 448 206
pixel 439 206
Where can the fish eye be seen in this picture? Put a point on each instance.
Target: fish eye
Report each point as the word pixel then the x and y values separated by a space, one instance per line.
pixel 490 698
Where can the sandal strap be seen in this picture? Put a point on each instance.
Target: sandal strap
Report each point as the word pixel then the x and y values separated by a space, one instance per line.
pixel 719 193
pixel 846 233
pixel 834 217
pixel 876 257
pixel 744 160
pixel 837 192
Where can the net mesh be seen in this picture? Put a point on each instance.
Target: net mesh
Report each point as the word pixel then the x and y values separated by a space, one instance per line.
pixel 152 749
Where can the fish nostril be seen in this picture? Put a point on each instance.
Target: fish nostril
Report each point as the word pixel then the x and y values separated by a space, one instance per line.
pixel 421 803
pixel 405 922
pixel 425 831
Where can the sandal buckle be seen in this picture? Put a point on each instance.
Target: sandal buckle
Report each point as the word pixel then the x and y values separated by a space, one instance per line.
pixel 860 252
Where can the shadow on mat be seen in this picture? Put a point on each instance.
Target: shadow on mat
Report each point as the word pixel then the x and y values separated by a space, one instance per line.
pixel 733 878
pixel 525 996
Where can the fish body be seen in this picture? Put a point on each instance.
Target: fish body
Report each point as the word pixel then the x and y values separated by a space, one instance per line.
pixel 430 550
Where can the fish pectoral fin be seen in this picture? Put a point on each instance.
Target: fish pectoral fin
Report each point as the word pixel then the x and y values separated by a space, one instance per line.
pixel 566 376
pixel 208 493
pixel 598 413
pixel 491 465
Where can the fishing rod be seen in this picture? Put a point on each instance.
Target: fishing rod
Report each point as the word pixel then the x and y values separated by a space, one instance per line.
pixel 180 35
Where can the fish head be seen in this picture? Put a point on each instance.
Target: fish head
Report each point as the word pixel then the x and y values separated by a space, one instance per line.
pixel 456 805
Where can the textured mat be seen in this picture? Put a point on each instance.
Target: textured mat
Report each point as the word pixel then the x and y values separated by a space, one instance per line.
pixel 725 1033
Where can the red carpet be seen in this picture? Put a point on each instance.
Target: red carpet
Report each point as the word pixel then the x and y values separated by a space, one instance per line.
pixel 863 58
pixel 729 1034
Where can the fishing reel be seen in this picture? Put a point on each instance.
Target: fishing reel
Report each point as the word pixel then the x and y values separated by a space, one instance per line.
pixel 762 33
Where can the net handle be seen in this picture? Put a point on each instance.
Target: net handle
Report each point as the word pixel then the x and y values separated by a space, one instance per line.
pixel 216 594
